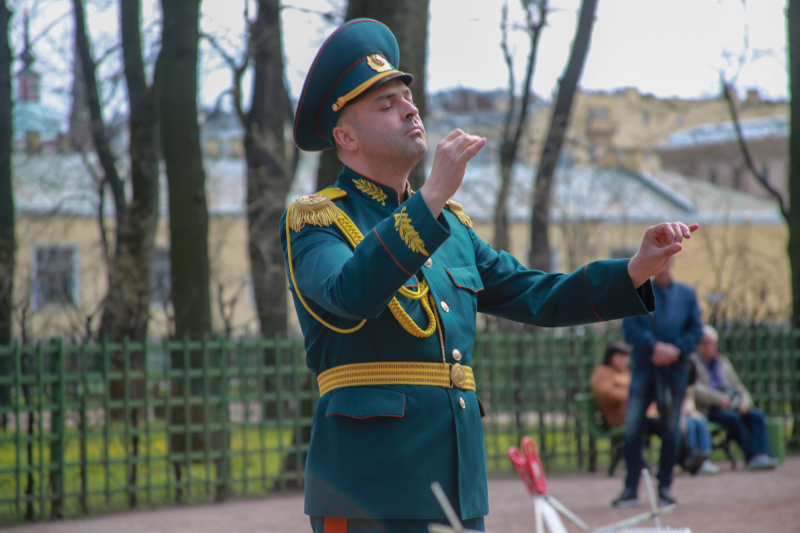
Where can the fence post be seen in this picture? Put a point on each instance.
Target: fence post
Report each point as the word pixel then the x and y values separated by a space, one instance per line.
pixel 58 364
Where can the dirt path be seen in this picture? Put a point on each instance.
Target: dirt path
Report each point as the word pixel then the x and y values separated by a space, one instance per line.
pixel 730 502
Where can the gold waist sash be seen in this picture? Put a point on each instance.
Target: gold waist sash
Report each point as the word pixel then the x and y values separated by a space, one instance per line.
pixel 435 374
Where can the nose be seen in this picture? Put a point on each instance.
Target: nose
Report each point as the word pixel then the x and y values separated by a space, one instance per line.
pixel 410 110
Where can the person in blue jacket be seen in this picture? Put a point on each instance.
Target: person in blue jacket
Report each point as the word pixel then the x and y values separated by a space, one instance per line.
pixel 387 282
pixel 662 344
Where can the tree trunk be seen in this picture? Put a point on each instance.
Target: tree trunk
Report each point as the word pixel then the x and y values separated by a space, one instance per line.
pixel 793 31
pixel 180 141
pixel 126 310
pixel 8 243
pixel 176 91
pixel 408 20
pixel 269 169
pixel 515 118
pixel 328 169
pixel 540 218
pixel 99 136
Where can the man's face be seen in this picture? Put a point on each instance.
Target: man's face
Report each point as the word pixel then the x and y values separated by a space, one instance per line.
pixel 707 348
pixel 386 124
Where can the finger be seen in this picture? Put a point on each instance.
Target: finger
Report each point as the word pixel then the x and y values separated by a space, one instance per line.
pixel 473 149
pixel 456 133
pixel 465 141
pixel 686 230
pixel 677 231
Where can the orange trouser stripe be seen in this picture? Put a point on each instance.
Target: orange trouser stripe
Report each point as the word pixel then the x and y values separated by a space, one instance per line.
pixel 335 525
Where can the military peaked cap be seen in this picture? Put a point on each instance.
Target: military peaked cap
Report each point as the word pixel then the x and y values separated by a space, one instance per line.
pixel 359 56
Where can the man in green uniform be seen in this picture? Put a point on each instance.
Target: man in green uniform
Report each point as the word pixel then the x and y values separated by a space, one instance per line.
pixel 387 283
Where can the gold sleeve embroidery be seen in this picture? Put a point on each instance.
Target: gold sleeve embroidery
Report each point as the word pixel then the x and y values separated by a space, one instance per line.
pixel 410 236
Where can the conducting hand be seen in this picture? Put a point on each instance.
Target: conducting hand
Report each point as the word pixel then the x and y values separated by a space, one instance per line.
pixel 449 165
pixel 659 244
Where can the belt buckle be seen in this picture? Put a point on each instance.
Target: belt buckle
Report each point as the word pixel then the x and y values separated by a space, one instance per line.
pixel 458 375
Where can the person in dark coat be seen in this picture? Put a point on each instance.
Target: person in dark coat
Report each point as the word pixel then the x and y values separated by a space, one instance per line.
pixel 662 344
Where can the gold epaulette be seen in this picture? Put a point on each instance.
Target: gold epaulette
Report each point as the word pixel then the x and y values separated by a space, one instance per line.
pixel 315 209
pixel 458 210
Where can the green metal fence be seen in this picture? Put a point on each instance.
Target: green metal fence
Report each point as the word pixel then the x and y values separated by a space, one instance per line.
pixel 93 428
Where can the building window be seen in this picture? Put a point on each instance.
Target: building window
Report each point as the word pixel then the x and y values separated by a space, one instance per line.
pixel 55 277
pixel 160 278
pixel 597 112
pixel 211 147
pixel 235 148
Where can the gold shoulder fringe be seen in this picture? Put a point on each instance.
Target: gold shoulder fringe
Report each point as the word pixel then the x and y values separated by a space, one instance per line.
pixel 314 209
pixel 458 210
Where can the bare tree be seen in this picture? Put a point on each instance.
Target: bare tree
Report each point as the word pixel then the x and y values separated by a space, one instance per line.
pixel 750 161
pixel 180 142
pixel 408 20
pixel 8 243
pixel 539 257
pixel 536 12
pixel 270 164
pixel 125 311
pixel 793 32
pixel 176 94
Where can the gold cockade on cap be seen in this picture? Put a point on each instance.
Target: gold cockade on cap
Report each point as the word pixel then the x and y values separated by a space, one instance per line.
pixel 378 63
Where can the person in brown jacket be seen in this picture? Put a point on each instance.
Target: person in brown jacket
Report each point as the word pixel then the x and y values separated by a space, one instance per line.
pixel 610 381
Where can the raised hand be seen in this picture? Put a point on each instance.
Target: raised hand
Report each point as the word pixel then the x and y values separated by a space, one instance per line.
pixel 659 244
pixel 449 165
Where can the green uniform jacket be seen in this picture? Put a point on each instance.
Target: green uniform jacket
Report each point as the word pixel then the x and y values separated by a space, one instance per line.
pixel 376 449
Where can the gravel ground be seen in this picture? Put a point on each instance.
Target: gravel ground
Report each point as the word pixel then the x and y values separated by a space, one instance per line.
pixel 730 502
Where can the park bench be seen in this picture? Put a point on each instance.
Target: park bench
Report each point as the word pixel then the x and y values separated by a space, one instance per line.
pixel 598 430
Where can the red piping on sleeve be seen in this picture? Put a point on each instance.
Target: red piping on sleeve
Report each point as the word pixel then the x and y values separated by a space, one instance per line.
pixel 586 283
pixel 409 274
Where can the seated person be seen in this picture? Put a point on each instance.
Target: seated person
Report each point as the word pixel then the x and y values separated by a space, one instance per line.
pixel 721 395
pixel 694 427
pixel 610 383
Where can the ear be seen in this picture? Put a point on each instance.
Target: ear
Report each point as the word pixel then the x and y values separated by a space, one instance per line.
pixel 345 137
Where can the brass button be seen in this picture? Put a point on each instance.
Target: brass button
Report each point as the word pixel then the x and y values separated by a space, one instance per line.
pixel 445 307
pixel 457 355
pixel 462 403
pixel 428 262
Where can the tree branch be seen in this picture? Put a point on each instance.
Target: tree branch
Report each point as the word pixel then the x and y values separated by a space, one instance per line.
pixel 728 92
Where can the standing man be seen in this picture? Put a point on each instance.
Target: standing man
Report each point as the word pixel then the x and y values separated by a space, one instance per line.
pixel 722 396
pixel 661 343
pixel 387 282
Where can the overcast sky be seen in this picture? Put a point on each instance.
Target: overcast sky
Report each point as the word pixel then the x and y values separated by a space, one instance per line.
pixel 663 47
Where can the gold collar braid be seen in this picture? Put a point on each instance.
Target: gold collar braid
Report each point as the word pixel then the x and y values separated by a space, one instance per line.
pixel 354 236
